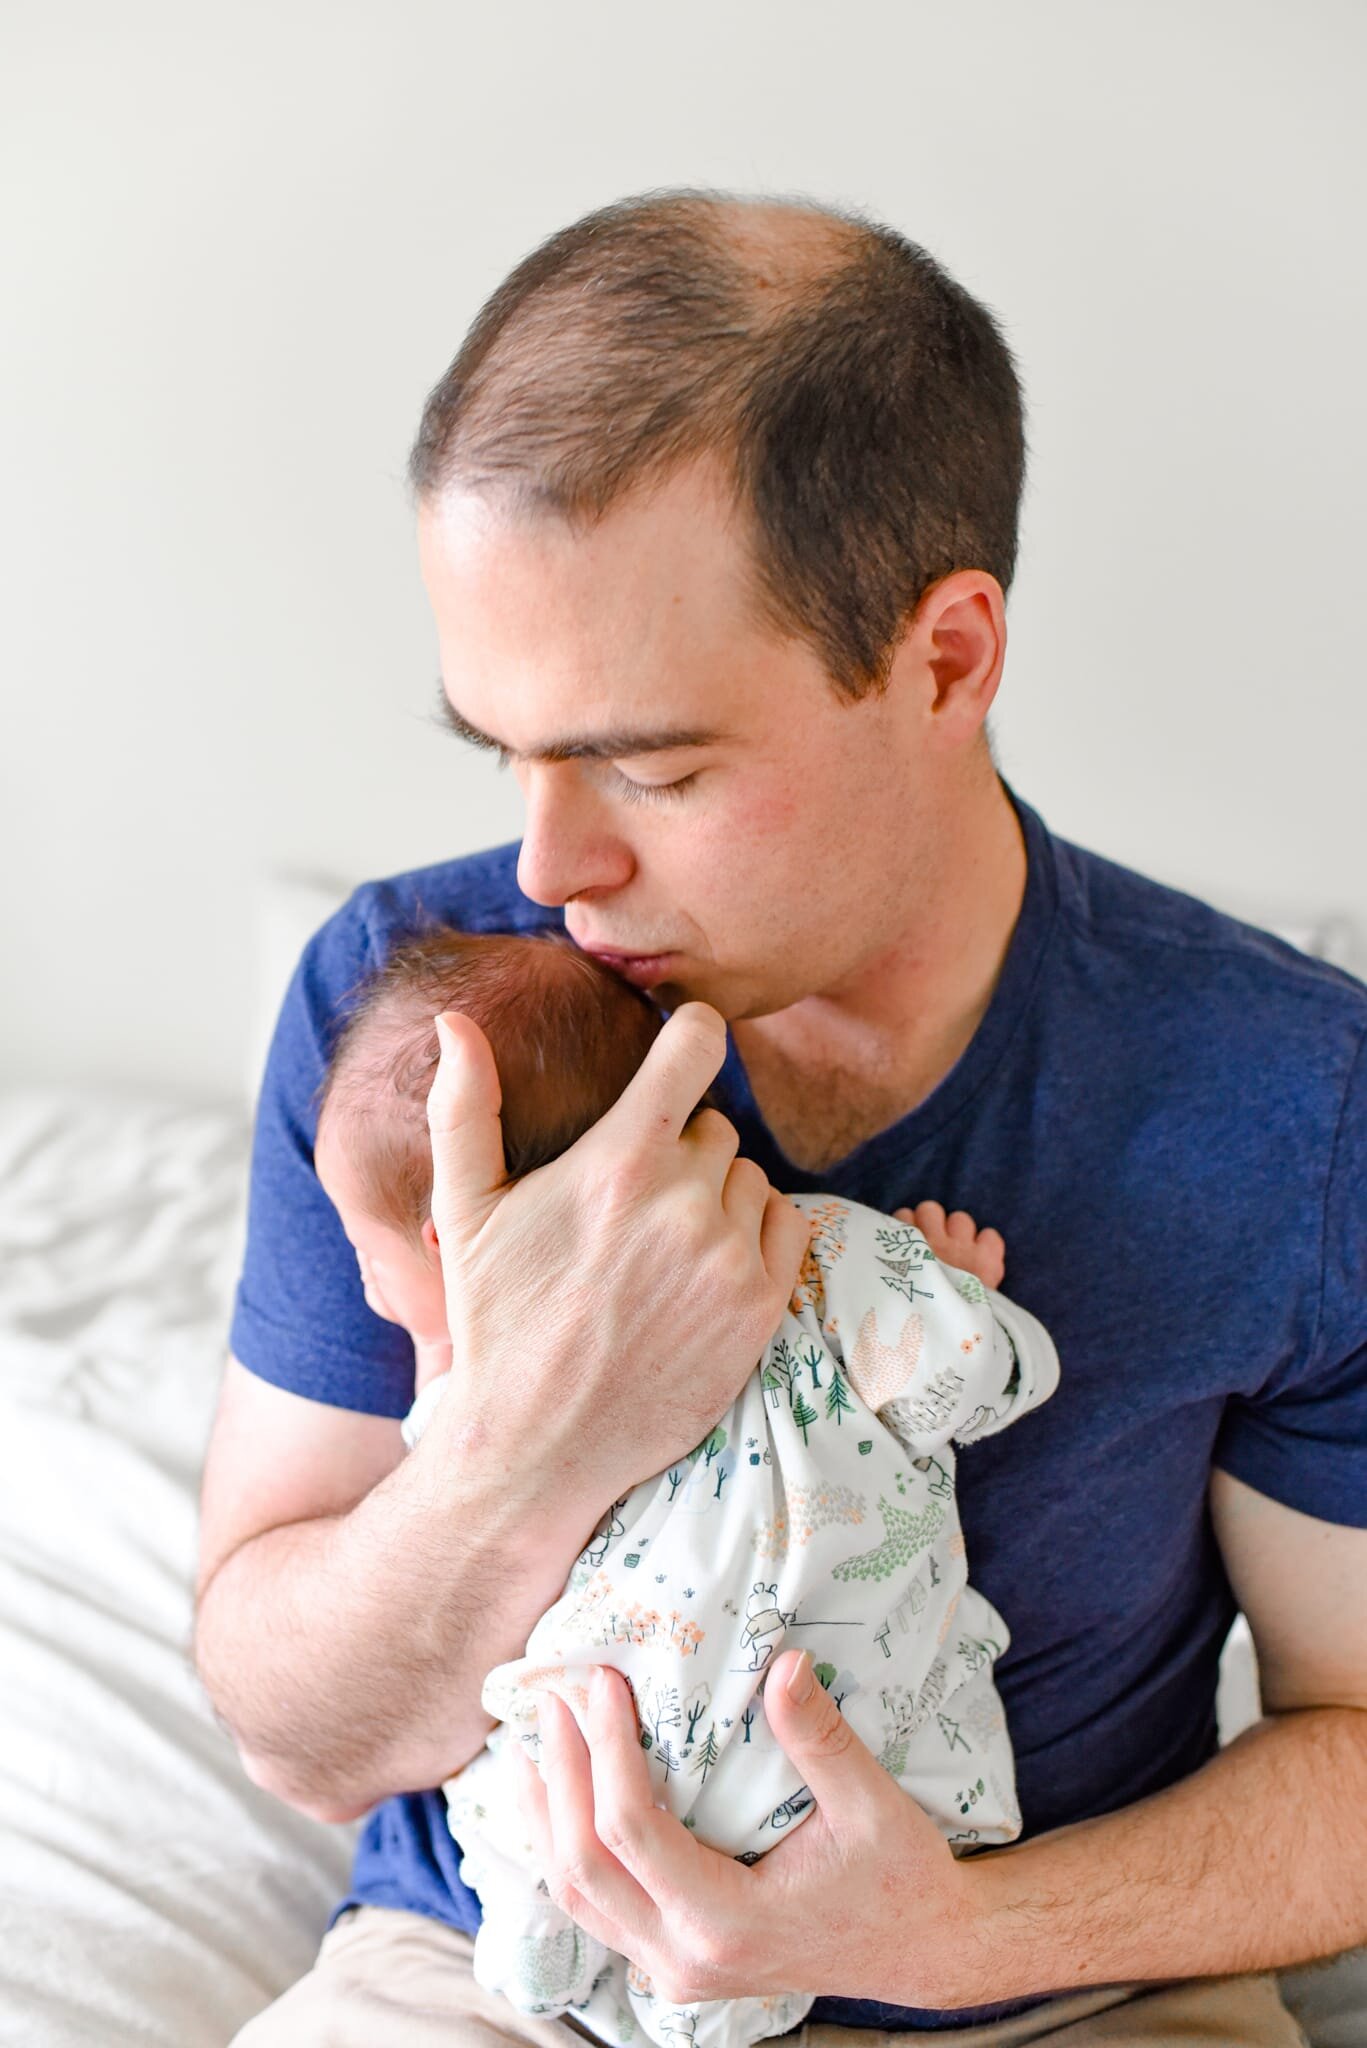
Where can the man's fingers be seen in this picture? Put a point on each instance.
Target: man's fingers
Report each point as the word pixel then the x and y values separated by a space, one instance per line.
pixel 744 1194
pixel 783 1230
pixel 715 1142
pixel 784 1236
pixel 463 1107
pixel 600 1883
pixel 649 1844
pixel 531 1801
pixel 844 1777
pixel 667 1086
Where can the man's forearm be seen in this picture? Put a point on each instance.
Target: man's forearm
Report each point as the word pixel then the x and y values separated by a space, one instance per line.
pixel 346 1654
pixel 1256 1862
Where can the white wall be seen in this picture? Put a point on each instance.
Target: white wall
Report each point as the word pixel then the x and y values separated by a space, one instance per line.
pixel 240 244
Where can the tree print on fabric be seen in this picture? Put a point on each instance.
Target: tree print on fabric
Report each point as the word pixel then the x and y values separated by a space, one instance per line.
pixel 708 1752
pixel 969 1286
pixel 826 1246
pixel 551 1967
pixel 907 1536
pixel 695 1706
pixel 779 1371
pixel 905 1254
pixel 930 1410
pixel 600 1616
pixel 838 1402
pixel 809 1508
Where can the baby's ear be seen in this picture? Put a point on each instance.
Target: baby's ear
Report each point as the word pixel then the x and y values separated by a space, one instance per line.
pixel 429 1241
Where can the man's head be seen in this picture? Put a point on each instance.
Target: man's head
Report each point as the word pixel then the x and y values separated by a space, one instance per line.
pixel 722 495
pixel 567 1036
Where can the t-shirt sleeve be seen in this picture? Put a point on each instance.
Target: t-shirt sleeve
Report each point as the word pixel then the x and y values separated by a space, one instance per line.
pixel 1303 1439
pixel 300 1318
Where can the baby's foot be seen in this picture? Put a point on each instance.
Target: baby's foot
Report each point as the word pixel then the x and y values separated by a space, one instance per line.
pixel 957 1241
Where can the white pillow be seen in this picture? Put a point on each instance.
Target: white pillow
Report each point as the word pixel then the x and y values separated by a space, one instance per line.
pixel 289 910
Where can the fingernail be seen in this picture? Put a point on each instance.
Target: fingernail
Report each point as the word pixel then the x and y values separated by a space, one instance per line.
pixel 801 1682
pixel 444 1036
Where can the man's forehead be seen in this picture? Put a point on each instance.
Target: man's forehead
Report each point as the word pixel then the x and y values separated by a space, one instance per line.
pixel 623 642
pixel 670 560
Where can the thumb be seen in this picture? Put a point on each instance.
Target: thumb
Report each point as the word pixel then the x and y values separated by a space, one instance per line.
pixel 463 1107
pixel 841 1773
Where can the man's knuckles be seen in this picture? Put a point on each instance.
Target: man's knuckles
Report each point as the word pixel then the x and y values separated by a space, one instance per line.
pixel 697 1971
pixel 570 1881
pixel 711 1131
pixel 619 1834
pixel 747 1185
pixel 679 1988
pixel 830 1737
pixel 685 1057
pixel 717 1950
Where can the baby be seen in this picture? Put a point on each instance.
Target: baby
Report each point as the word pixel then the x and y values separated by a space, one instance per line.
pixel 818 1513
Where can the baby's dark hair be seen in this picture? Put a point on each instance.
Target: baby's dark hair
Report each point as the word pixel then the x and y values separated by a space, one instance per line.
pixel 567 1036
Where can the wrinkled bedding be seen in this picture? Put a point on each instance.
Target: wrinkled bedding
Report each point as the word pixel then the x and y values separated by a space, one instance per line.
pixel 148 1892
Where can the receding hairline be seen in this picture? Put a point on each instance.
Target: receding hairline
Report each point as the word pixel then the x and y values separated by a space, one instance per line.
pixel 782 249
pixel 862 407
pixel 784 242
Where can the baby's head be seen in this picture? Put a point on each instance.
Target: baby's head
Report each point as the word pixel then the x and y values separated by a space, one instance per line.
pixel 567 1036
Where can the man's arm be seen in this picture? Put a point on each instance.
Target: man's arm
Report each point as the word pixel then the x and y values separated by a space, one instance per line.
pixel 351 1604
pixel 387 1591
pixel 1256 1861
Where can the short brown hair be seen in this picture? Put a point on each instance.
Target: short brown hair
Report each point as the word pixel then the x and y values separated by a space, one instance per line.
pixel 567 1036
pixel 866 405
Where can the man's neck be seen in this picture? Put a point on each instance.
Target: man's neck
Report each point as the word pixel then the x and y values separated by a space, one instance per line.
pixel 836 1068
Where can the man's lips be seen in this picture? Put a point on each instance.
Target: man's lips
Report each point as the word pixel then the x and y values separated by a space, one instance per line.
pixel 641 969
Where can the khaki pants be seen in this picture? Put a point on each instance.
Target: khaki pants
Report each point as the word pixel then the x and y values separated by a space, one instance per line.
pixel 400 1980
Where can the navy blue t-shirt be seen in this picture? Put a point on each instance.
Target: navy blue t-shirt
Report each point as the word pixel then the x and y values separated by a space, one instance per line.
pixel 1165 1114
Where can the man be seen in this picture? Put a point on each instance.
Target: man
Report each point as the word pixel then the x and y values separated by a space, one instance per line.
pixel 717 510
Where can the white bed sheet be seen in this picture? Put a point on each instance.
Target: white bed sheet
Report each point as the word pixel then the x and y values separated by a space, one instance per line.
pixel 148 1892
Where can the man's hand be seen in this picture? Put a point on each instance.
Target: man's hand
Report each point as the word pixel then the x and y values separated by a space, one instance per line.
pixel 957 1241
pixel 606 1309
pixel 865 1900
pixel 431 1358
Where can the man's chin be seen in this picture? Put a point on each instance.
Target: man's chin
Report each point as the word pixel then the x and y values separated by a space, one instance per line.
pixel 669 995
pixel 735 1002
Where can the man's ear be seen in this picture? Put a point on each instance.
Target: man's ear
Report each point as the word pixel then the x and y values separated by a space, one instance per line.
pixel 959 634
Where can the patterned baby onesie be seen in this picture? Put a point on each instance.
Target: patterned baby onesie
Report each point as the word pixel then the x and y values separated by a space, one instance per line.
pixel 818 1514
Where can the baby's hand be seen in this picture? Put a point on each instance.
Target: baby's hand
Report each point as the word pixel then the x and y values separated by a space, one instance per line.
pixel 957 1241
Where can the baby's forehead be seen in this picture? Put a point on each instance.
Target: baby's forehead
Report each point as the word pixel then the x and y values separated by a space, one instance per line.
pixel 352 1142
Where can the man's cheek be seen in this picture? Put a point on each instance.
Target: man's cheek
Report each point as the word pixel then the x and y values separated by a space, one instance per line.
pixel 771 818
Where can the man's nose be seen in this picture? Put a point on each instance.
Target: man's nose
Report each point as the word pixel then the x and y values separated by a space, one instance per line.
pixel 568 842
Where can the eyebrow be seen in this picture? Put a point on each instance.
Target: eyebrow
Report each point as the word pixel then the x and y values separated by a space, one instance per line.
pixel 622 743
